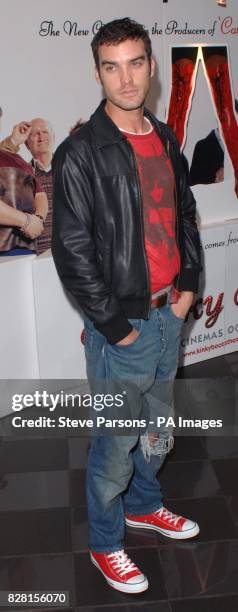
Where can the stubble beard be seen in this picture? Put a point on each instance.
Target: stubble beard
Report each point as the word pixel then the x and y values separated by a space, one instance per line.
pixel 128 105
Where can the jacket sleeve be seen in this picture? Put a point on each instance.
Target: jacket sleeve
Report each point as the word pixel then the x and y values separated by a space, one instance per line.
pixel 7 145
pixel 187 227
pixel 73 242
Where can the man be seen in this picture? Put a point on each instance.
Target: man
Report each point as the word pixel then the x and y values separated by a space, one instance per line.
pixel 23 203
pixel 40 143
pixel 125 233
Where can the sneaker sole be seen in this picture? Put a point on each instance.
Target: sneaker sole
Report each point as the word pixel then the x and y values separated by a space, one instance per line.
pixel 175 535
pixel 124 588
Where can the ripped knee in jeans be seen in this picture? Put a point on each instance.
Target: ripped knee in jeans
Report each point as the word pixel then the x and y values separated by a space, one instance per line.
pixel 152 444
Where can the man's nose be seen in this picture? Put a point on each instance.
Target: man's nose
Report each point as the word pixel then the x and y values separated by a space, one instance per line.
pixel 126 75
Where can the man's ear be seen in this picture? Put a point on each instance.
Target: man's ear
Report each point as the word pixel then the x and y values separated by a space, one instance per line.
pixel 152 67
pixel 97 76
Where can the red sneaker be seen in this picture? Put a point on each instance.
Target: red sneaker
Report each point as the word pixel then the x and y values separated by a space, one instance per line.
pixel 167 523
pixel 120 572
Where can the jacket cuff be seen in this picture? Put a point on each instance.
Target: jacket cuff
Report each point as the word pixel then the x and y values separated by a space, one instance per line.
pixel 116 329
pixel 188 280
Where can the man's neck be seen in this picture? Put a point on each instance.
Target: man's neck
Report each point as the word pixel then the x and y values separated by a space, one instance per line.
pixel 44 159
pixel 129 121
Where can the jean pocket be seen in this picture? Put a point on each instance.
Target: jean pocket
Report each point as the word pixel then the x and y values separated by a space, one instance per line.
pixel 178 319
pixel 136 324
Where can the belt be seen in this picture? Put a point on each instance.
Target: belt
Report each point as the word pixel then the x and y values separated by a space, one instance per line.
pixel 160 301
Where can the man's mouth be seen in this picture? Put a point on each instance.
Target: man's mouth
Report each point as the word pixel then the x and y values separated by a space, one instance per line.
pixel 129 92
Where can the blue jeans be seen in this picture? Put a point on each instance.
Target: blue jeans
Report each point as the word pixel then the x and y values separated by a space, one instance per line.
pixel 122 469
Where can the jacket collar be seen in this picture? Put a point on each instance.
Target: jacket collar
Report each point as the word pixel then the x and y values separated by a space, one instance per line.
pixel 105 130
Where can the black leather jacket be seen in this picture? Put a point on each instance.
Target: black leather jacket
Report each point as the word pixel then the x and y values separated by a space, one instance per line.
pixel 98 235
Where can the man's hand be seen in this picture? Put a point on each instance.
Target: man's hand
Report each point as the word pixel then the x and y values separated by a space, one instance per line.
pixel 129 339
pixel 34 227
pixel 181 307
pixel 20 133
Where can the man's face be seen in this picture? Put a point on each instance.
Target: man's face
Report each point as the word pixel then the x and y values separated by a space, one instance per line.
pixel 41 139
pixel 125 72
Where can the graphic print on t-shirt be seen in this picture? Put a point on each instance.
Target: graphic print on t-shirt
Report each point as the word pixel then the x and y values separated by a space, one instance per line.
pixel 157 188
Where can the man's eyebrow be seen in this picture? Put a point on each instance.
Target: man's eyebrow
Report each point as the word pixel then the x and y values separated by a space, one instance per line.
pixel 113 63
pixel 108 62
pixel 135 59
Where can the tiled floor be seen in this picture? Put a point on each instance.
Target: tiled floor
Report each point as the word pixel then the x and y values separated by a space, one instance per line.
pixel 43 516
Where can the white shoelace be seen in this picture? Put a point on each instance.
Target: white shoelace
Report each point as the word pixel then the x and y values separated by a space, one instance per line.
pixel 120 561
pixel 169 516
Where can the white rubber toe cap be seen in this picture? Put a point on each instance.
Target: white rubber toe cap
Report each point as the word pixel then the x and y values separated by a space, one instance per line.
pixel 190 526
pixel 140 579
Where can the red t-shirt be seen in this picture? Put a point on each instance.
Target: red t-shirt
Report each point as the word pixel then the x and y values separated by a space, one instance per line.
pixel 157 187
pixel 18 187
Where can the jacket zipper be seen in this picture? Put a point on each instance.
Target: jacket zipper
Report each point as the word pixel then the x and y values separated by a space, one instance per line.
pixel 141 223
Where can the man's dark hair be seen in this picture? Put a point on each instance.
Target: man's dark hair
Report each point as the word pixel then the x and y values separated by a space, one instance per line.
pixel 116 32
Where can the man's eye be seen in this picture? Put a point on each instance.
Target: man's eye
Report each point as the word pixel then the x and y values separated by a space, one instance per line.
pixel 110 68
pixel 137 63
